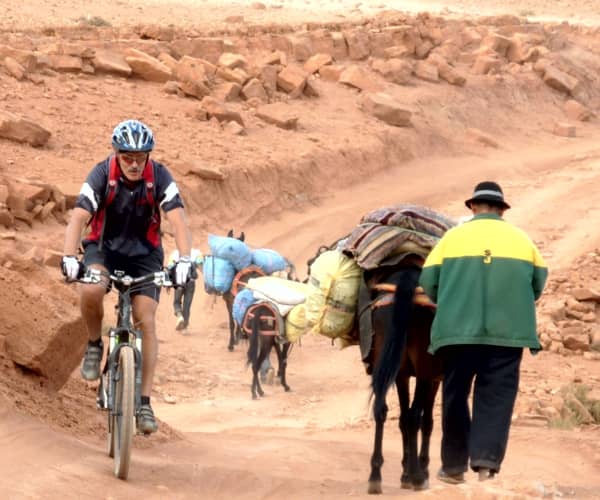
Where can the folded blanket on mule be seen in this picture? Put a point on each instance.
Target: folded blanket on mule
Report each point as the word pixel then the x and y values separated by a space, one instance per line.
pixel 415 217
pixel 387 235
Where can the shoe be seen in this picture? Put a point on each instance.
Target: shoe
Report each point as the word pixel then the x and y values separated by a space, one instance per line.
pixel 180 324
pixel 146 423
pixel 90 368
pixel 458 478
pixel 485 473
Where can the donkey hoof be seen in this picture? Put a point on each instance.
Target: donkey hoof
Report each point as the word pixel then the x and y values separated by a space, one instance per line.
pixel 405 484
pixel 287 388
pixel 421 486
pixel 374 488
pixel 230 348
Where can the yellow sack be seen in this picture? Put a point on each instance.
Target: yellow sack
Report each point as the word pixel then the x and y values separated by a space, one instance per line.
pixel 295 323
pixel 331 304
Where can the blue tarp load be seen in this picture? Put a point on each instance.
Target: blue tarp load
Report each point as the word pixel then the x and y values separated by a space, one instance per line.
pixel 243 300
pixel 268 260
pixel 218 274
pixel 231 249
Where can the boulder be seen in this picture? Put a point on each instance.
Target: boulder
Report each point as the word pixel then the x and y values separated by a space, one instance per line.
pixel 220 111
pixel 292 80
pixel 577 111
pixel 227 91
pixel 426 71
pixel 564 129
pixel 316 62
pixel 44 334
pixel 147 67
pixel 358 43
pixel 395 70
pixel 232 61
pixel 477 135
pixel 559 80
pixel 355 76
pixel 332 72
pixel 14 68
pixel 279 114
pixel 210 173
pixel 254 89
pixel 111 62
pixel 20 129
pixel 386 109
pixel 206 48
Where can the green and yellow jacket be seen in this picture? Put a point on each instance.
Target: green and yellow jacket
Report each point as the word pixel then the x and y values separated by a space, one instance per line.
pixel 485 276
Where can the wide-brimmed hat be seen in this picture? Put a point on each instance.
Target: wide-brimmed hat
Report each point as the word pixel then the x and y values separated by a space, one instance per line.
pixel 489 192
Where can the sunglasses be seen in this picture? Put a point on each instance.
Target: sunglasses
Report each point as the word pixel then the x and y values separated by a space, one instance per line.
pixel 130 158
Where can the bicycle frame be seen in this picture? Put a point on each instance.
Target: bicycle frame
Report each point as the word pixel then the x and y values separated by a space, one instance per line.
pixel 124 334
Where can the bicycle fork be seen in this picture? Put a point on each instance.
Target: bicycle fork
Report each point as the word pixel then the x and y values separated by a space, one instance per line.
pixel 108 379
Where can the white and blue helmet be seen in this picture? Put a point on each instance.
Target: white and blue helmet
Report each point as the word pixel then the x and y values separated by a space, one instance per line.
pixel 132 136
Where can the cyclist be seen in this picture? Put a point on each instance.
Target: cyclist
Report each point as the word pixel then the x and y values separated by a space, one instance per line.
pixel 183 296
pixel 121 200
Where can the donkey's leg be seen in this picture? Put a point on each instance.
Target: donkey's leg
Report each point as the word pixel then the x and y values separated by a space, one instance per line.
pixel 228 298
pixel 403 389
pixel 255 383
pixel 418 475
pixel 380 414
pixel 427 426
pixel 263 352
pixel 282 356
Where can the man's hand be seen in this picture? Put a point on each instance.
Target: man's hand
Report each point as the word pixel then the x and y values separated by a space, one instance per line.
pixel 183 270
pixel 71 267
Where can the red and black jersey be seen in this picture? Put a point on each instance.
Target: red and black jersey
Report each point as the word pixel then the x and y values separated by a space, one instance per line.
pixel 126 215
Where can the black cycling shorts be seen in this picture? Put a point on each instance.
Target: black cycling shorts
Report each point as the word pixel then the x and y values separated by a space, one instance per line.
pixel 133 266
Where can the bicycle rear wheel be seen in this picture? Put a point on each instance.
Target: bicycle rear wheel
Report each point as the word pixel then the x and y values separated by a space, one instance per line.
pixel 124 410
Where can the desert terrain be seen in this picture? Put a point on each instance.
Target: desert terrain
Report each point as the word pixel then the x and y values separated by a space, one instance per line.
pixel 289 120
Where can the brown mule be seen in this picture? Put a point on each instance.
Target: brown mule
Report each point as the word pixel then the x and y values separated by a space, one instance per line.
pixel 401 332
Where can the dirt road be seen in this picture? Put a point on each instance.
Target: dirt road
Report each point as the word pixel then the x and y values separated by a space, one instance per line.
pixel 316 440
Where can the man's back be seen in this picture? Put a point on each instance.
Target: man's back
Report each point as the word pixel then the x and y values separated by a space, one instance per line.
pixel 485 276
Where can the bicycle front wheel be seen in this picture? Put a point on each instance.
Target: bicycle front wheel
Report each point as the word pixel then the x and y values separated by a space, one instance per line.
pixel 124 410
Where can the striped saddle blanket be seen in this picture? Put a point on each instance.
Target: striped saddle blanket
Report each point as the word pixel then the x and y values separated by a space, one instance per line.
pixel 387 235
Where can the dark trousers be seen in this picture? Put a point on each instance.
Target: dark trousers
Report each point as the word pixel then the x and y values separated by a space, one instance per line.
pixel 182 301
pixel 482 436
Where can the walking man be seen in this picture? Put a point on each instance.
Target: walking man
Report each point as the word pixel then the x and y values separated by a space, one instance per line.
pixel 485 276
pixel 183 296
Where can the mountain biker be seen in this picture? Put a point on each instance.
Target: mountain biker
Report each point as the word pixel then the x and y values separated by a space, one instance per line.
pixel 183 296
pixel 121 200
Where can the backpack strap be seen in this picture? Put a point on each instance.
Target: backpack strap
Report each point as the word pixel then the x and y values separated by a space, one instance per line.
pixel 148 176
pixel 112 181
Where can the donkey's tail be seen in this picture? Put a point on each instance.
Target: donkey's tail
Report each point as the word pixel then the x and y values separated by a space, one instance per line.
pixel 388 365
pixel 254 341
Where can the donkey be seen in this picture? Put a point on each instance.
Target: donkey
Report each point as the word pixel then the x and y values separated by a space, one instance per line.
pixel 401 324
pixel 235 332
pixel 264 325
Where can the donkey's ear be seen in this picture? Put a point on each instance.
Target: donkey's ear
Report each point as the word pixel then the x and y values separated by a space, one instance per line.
pixel 230 233
pixel 242 236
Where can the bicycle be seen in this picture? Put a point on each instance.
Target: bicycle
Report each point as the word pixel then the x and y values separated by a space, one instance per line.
pixel 119 391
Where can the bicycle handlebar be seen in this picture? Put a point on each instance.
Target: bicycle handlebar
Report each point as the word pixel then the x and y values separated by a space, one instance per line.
pixel 94 276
